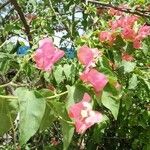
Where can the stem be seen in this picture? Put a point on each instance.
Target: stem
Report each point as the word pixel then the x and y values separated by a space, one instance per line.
pixel 58 17
pixel 23 19
pixel 57 95
pixel 3 44
pixel 51 6
pixel 15 97
pixel 14 132
pixel 126 10
pixel 8 97
pixel 81 140
pixel 12 84
pixel 4 85
pixel 15 77
pixel 24 63
pixel 72 24
pixel 69 122
pixel 59 117
pixel 3 5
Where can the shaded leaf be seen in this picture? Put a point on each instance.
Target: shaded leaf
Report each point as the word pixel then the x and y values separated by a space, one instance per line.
pixel 111 103
pixel 128 66
pixel 58 74
pixel 8 113
pixel 133 82
pixel 47 119
pixel 75 94
pixel 67 129
pixel 32 108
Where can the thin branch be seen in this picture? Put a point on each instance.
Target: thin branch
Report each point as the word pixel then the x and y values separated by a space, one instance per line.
pixel 14 131
pixel 22 17
pixel 3 5
pixel 8 14
pixel 8 97
pixel 59 117
pixel 126 10
pixel 57 95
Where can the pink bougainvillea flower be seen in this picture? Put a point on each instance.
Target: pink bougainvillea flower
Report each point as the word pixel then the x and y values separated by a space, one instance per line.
pixel 83 114
pixel 129 21
pixel 128 34
pixel 94 78
pixel 144 31
pixel 107 36
pixel 123 22
pixel 127 57
pixel 47 54
pixel 137 43
pixel 114 24
pixel 87 56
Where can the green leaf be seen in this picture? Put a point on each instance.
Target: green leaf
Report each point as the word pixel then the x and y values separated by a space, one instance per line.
pixel 75 94
pixel 47 119
pixel 32 108
pixel 133 82
pixel 99 129
pixel 112 89
pixel 46 93
pixel 58 74
pixel 111 103
pixel 104 62
pixel 67 129
pixel 67 70
pixel 128 66
pixel 49 115
pixel 8 113
pixel 127 101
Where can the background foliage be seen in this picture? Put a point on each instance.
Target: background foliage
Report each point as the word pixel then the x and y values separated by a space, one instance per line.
pixel 42 98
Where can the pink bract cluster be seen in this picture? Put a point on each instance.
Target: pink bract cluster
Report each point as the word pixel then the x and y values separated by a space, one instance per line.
pixel 47 54
pixel 127 57
pixel 125 25
pixel 87 57
pixel 83 114
pixel 107 36
pixel 96 79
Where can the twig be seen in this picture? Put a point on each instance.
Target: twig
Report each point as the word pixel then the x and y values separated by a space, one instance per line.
pixel 3 5
pixel 3 44
pixel 126 10
pixel 8 97
pixel 57 95
pixel 8 14
pixel 22 17
pixel 59 117
pixel 17 74
pixel 14 132
pixel 48 98
pixel 12 84
pixel 72 24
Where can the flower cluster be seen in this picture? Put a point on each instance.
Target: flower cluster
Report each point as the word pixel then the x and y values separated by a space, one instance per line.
pixel 127 57
pixel 83 114
pixel 47 54
pixel 87 57
pixel 124 25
